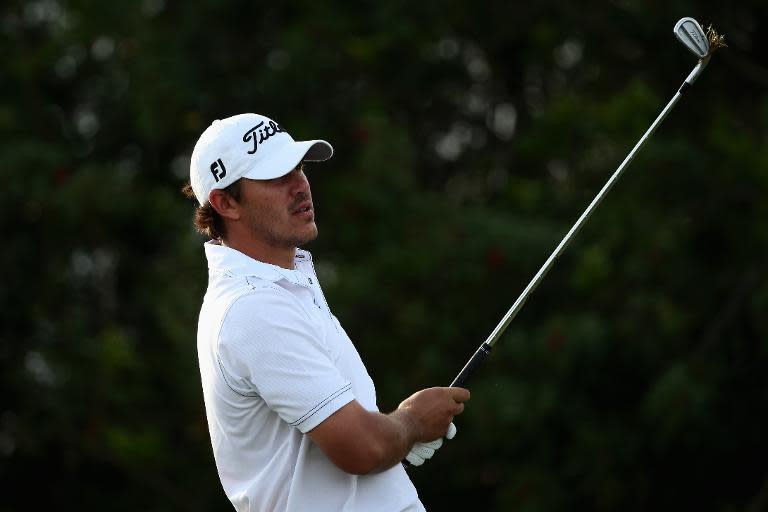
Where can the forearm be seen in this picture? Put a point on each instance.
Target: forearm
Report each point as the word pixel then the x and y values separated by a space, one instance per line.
pixel 394 435
pixel 359 441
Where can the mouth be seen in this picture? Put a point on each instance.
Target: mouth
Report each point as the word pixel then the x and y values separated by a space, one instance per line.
pixel 304 209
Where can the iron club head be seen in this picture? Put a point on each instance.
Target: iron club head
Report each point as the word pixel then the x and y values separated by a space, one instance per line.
pixel 690 33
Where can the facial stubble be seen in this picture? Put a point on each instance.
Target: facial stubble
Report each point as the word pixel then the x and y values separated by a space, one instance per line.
pixel 265 225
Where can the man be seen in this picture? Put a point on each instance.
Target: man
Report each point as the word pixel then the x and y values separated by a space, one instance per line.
pixel 291 409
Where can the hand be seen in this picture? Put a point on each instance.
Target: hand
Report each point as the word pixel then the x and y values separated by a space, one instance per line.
pixel 430 411
pixel 421 452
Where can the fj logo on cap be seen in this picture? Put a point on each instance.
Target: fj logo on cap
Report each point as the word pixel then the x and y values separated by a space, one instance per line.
pixel 218 170
pixel 264 133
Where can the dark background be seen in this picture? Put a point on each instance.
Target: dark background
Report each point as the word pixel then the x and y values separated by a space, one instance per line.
pixel 469 136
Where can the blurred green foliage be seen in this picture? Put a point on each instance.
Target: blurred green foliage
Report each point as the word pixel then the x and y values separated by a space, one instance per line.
pixel 469 137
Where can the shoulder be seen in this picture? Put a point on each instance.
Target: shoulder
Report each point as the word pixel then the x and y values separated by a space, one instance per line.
pixel 262 302
pixel 265 314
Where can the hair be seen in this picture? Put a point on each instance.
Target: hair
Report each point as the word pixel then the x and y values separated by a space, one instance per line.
pixel 207 220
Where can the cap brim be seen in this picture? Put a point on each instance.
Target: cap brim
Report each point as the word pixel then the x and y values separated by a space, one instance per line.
pixel 285 159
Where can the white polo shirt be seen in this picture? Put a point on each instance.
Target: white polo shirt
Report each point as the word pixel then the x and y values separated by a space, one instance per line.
pixel 274 364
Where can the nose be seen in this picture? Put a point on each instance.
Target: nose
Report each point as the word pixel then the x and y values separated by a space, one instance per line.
pixel 298 182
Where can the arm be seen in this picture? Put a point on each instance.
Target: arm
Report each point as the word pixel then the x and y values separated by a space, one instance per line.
pixel 360 441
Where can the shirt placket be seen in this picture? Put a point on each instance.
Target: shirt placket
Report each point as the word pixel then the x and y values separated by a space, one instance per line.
pixel 317 293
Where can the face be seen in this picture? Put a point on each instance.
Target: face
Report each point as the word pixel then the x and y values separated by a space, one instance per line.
pixel 279 211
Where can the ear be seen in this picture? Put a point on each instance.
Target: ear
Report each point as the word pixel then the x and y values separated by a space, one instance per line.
pixel 224 204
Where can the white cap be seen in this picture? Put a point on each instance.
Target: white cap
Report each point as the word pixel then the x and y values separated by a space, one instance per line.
pixel 247 146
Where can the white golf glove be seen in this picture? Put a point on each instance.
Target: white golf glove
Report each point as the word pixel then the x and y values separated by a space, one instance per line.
pixel 423 451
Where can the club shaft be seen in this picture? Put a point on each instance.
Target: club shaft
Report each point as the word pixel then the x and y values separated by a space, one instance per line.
pixel 486 346
pixel 520 302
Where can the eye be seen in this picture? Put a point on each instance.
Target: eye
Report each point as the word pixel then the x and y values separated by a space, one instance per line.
pixel 299 169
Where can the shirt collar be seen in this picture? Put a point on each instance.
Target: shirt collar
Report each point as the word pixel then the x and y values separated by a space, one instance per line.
pixel 233 262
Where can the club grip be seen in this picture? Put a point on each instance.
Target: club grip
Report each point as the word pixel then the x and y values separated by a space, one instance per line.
pixel 477 358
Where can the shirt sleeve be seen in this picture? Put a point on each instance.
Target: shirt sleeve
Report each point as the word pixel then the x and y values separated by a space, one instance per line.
pixel 269 347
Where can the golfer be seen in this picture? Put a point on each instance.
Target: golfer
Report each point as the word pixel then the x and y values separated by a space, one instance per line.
pixel 291 408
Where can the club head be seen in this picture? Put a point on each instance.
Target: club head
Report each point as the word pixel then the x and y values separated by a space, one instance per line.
pixel 689 32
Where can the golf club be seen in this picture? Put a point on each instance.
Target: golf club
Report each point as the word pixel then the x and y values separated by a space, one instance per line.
pixel 701 44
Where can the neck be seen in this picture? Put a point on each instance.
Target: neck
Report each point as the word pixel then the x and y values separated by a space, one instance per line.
pixel 258 250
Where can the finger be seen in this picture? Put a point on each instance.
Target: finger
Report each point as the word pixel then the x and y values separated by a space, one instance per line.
pixel 459 394
pixel 423 451
pixel 459 409
pixel 436 444
pixel 414 459
pixel 451 431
